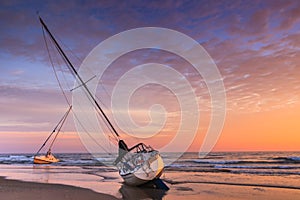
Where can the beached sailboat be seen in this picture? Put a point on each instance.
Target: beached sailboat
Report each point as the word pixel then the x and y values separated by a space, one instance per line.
pixel 137 165
pixel 45 159
pixel 49 158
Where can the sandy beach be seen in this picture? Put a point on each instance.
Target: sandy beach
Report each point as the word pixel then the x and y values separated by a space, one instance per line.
pixel 13 189
pixel 211 186
pixel 195 186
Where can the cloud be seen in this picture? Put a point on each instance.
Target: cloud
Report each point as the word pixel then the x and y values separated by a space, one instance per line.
pixel 27 108
pixel 289 13
pixel 17 72
pixel 255 45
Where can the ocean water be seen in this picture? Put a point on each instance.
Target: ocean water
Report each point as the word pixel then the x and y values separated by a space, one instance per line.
pixel 264 163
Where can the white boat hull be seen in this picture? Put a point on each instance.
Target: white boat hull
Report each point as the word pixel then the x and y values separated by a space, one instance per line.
pixel 150 168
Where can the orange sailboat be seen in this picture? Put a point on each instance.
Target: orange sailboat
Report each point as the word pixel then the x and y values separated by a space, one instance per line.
pixel 49 157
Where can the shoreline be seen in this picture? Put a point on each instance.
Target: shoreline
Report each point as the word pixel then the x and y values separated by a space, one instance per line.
pixel 16 189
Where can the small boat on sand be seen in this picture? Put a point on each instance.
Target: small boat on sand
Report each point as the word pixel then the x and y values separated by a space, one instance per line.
pixel 49 157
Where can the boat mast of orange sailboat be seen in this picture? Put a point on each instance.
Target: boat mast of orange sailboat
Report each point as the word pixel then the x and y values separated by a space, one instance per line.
pixel 56 129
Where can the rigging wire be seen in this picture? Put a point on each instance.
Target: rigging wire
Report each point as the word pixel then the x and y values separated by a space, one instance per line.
pixel 61 125
pixel 86 92
pixel 89 134
pixel 80 84
pixel 60 85
pixel 106 92
pixel 53 67
pixel 65 96
pixel 61 121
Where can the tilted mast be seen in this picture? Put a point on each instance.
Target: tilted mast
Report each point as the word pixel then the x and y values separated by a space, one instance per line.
pixel 58 126
pixel 73 70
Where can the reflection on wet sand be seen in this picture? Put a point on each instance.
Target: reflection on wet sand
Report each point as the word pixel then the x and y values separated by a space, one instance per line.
pixel 135 193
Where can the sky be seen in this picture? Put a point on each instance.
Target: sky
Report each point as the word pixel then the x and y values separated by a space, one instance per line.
pixel 255 45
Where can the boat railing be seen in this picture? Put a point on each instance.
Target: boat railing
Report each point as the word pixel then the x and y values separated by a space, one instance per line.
pixel 141 148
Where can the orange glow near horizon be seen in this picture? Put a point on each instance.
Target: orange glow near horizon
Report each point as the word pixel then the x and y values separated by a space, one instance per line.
pixel 276 130
pixel 264 131
pixel 30 142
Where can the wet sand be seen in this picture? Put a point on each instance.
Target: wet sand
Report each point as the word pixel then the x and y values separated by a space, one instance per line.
pixel 193 189
pixel 57 182
pixel 211 186
pixel 15 190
